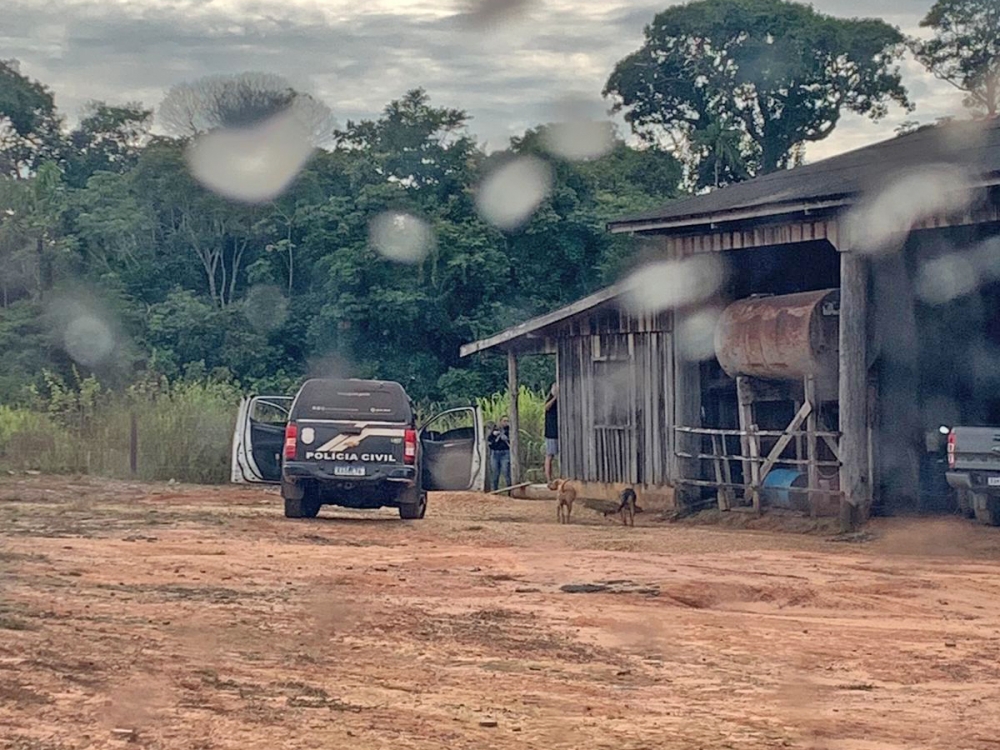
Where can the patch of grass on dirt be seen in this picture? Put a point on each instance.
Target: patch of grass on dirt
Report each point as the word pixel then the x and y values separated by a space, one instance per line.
pixel 14 692
pixel 14 623
pixel 11 557
pixel 176 592
pixel 501 631
pixel 81 671
pixel 302 695
pixel 338 542
pixel 21 742
pixel 857 537
pixel 246 690
pixel 9 620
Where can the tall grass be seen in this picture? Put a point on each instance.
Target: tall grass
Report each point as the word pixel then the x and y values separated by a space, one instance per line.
pixel 184 433
pixel 531 413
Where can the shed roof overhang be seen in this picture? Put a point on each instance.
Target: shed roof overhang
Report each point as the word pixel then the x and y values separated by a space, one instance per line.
pixel 532 336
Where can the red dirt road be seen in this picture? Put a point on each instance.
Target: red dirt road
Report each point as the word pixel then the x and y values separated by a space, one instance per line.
pixel 155 616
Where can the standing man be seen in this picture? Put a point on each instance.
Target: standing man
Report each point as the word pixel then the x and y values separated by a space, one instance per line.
pixel 551 430
pixel 499 442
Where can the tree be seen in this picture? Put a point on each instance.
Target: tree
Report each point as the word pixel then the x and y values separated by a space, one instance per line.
pixel 773 74
pixel 30 128
pixel 32 235
pixel 965 49
pixel 721 155
pixel 241 101
pixel 416 145
pixel 219 233
pixel 109 138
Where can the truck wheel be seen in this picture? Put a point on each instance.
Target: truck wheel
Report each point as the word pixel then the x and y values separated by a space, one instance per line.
pixel 987 508
pixel 304 508
pixel 965 506
pixel 412 505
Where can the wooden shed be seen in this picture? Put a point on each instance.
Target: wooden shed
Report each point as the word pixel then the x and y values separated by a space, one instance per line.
pixel 868 224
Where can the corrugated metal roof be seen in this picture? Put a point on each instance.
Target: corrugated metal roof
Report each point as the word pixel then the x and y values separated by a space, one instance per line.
pixel 975 146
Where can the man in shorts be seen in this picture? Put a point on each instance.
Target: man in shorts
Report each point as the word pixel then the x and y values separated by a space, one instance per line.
pixel 551 430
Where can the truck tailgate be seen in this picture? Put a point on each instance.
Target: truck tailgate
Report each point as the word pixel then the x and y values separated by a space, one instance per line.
pixel 975 448
pixel 348 447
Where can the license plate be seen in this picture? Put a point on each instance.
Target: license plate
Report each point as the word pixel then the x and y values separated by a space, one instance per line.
pixel 993 481
pixel 358 471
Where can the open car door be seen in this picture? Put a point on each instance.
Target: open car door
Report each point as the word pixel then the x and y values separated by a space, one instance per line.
pixel 259 439
pixel 454 451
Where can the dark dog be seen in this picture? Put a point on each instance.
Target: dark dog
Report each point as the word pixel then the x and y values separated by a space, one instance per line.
pixel 627 507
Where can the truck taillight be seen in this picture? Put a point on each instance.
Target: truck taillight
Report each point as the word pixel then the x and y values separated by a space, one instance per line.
pixel 410 447
pixel 951 449
pixel 291 437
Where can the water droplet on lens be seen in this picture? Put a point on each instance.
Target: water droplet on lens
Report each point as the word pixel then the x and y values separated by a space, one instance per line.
pixel 946 278
pixel 481 14
pixel 254 164
pixel 401 236
pixel 579 140
pixel 696 334
pixel 265 307
pixel 88 340
pixel 884 220
pixel 510 194
pixel 673 283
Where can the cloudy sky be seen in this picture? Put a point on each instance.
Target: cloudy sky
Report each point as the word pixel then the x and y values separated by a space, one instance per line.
pixel 359 54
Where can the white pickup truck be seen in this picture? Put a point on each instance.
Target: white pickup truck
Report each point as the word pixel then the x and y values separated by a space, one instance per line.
pixel 974 471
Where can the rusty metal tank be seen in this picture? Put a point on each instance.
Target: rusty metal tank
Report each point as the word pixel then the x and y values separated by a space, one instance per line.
pixel 786 337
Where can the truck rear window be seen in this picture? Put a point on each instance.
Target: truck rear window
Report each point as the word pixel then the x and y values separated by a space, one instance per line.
pixel 352 399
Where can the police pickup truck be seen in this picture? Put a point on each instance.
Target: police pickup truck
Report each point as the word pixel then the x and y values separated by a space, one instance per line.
pixel 974 471
pixel 355 443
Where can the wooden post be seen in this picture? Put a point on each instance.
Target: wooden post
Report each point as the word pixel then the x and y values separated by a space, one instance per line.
pixel 687 413
pixel 727 477
pixel 744 397
pixel 872 405
pixel 515 421
pixel 853 387
pixel 722 495
pixel 755 479
pixel 811 428
pixel 800 444
pixel 133 444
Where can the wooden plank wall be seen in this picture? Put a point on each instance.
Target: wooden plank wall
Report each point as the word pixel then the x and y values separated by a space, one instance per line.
pixel 615 375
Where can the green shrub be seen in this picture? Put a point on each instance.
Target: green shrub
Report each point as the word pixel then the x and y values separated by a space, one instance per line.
pixel 184 431
pixel 531 413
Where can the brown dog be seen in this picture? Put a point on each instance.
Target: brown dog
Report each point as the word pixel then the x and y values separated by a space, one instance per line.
pixel 565 496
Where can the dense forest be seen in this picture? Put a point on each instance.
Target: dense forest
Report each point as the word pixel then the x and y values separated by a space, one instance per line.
pixel 118 261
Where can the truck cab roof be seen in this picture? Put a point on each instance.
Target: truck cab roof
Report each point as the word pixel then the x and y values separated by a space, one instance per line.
pixel 352 400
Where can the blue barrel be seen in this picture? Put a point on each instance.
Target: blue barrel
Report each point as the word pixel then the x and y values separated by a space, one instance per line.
pixel 779 486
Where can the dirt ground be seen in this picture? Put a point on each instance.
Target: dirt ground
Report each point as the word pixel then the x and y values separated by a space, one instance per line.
pixel 165 616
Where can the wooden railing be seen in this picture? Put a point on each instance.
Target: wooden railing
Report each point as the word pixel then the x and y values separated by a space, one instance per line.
pixel 753 463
